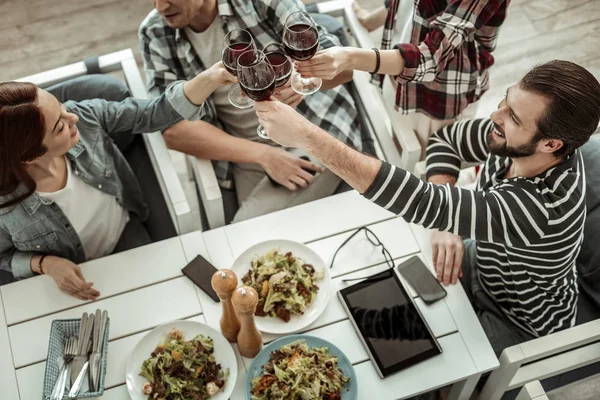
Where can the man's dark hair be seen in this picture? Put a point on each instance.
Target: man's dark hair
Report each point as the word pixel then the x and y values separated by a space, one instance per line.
pixel 574 96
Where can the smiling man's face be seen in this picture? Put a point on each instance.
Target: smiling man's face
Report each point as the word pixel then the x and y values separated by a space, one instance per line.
pixel 515 131
pixel 178 13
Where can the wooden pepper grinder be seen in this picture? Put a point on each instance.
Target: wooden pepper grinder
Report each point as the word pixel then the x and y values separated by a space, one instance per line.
pixel 245 300
pixel 224 283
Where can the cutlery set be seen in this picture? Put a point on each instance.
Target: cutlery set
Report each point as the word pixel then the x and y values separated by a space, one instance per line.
pixel 82 357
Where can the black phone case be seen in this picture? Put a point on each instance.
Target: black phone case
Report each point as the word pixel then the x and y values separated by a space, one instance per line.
pixel 428 298
pixel 205 286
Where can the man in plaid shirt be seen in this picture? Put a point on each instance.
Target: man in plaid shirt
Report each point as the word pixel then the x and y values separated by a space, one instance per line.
pixel 438 67
pixel 180 39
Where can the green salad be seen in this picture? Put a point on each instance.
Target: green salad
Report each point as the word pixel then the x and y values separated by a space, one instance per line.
pixel 183 370
pixel 285 284
pixel 298 372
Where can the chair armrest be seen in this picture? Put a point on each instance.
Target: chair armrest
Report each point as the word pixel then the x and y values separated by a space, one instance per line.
pixel 532 391
pixel 171 187
pixel 209 190
pixel 545 357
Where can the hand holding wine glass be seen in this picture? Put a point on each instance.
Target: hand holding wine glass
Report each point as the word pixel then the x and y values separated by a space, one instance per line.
pixel 257 78
pixel 237 42
pixel 301 41
pixel 326 64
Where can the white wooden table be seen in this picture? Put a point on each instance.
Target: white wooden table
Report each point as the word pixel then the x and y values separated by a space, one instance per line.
pixel 144 287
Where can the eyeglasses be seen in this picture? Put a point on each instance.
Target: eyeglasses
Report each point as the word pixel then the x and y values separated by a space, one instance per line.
pixel 375 241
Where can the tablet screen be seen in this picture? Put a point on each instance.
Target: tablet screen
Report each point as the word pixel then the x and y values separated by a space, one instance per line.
pixel 389 323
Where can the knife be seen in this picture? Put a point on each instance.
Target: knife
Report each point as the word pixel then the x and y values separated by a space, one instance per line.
pixel 96 356
pixel 85 329
pixel 78 382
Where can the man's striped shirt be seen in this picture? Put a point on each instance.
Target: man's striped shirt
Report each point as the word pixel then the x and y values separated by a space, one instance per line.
pixel 528 230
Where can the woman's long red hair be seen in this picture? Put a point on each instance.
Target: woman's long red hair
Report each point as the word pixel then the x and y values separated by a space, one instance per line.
pixel 21 137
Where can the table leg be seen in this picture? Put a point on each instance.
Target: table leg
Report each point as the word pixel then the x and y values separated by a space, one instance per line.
pixel 464 389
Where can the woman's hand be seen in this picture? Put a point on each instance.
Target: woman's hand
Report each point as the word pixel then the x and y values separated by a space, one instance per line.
pixel 69 278
pixel 326 64
pixel 219 75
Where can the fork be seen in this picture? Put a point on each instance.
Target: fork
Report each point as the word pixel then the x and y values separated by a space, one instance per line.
pixel 68 355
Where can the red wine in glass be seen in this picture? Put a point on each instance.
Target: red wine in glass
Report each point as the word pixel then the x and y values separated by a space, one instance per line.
pixel 257 79
pixel 282 66
pixel 260 94
pixel 303 43
pixel 231 54
pixel 237 41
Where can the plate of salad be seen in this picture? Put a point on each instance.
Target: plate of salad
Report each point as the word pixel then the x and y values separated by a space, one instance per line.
pixel 292 282
pixel 182 360
pixel 301 367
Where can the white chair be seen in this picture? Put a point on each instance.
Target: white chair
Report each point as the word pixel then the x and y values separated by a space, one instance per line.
pixel 181 214
pixel 532 391
pixel 544 357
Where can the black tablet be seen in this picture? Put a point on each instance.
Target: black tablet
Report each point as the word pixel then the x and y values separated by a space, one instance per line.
pixel 388 323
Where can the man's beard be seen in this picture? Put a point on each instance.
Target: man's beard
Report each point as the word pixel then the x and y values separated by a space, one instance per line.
pixel 503 150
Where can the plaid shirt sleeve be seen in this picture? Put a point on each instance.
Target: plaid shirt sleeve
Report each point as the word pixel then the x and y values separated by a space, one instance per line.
pixel 161 63
pixel 277 11
pixel 462 18
pixel 158 61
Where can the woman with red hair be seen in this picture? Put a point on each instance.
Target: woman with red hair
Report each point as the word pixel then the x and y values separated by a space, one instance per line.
pixel 66 192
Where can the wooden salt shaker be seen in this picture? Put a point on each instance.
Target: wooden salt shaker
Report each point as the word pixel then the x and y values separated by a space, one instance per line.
pixel 245 300
pixel 224 283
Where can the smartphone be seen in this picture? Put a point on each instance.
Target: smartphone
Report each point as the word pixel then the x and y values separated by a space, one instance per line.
pixel 200 271
pixel 422 280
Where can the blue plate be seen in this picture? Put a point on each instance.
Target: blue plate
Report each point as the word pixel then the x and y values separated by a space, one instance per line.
pixel 350 392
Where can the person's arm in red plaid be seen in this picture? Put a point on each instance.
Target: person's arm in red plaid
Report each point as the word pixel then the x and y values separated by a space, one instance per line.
pixel 410 62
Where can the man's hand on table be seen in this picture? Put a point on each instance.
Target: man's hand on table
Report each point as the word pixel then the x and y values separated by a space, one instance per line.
pixel 448 252
pixel 69 278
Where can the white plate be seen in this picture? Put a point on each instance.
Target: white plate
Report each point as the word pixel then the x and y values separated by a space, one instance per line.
pixel 297 322
pixel 223 353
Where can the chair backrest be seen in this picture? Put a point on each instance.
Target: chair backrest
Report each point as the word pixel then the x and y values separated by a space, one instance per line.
pixel 588 261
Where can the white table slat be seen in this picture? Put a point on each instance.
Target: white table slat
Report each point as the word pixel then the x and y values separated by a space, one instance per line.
pixel 395 234
pixel 117 393
pixel 8 378
pixel 31 381
pixel 439 371
pixel 129 313
pixel 465 318
pixel 219 256
pixel 307 222
pixel 350 345
pixel 143 266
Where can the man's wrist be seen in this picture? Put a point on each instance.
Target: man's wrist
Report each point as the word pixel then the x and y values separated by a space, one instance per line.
pixel 442 179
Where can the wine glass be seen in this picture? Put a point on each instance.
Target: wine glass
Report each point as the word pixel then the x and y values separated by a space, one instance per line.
pixel 301 42
pixel 237 42
pixel 281 63
pixel 282 66
pixel 257 79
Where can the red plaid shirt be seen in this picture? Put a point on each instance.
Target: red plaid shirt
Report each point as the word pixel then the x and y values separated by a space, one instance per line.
pixel 445 65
